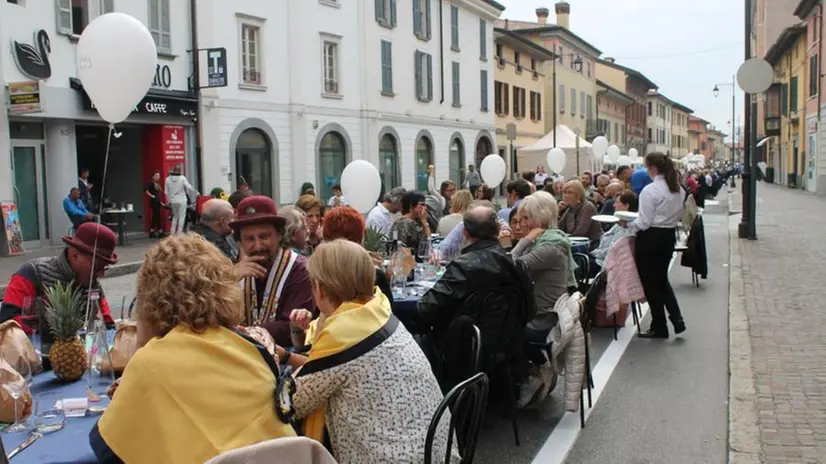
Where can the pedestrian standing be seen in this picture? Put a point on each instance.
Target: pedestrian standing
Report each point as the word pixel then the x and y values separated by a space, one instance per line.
pixel 661 208
pixel 178 192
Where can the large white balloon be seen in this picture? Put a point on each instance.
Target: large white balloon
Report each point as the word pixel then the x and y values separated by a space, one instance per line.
pixel 361 185
pixel 613 153
pixel 600 146
pixel 556 160
pixel 493 170
pixel 116 60
pixel 633 154
pixel 624 160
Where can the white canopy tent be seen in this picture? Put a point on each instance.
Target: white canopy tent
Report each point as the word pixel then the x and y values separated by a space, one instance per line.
pixel 536 154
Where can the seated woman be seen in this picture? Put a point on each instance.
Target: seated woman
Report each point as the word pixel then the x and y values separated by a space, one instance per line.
pixel 366 382
pixel 411 228
pixel 296 234
pixel 485 193
pixel 313 209
pixel 516 230
pixel 576 221
pixel 194 377
pixel 627 201
pixel 546 251
pixel 459 203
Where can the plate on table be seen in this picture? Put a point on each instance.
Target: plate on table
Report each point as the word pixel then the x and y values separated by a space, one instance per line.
pixel 605 218
pixel 626 215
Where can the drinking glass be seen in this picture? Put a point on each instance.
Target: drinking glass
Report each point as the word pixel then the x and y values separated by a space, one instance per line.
pixel 16 386
pixel 423 252
pixel 47 416
pixel 30 315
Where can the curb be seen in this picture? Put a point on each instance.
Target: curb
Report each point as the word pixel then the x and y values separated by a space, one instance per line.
pixel 743 429
pixel 113 271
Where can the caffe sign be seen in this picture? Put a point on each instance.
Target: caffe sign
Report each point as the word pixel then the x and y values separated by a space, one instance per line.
pixel 157 105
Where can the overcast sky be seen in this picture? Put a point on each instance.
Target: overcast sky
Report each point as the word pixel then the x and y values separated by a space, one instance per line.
pixel 685 47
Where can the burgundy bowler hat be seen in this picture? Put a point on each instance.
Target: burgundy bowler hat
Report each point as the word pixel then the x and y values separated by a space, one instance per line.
pixel 256 209
pixel 85 237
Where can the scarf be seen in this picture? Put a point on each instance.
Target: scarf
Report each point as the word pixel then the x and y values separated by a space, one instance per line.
pixel 352 330
pixel 559 238
pixel 276 279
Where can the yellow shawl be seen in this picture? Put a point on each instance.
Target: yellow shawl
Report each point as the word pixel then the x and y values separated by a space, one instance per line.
pixel 351 331
pixel 213 390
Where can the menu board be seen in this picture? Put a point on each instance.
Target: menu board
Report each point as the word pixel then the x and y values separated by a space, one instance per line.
pixel 11 222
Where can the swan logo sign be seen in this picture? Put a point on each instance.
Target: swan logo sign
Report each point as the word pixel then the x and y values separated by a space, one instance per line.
pixel 33 59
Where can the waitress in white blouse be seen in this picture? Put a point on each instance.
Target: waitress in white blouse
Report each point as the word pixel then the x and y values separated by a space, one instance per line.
pixel 661 208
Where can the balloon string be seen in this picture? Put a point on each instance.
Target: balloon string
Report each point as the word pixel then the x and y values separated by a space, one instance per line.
pixel 97 233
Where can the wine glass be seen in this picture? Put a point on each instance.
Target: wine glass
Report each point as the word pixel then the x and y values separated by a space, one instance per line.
pixel 16 386
pixel 423 252
pixel 30 316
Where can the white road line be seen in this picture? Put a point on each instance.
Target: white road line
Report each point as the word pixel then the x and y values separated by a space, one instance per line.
pixel 563 438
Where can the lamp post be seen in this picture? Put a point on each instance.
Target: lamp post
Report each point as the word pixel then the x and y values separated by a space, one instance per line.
pixel 577 65
pixel 716 92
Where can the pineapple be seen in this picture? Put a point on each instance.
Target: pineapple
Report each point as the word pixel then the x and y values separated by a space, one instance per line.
pixel 65 317
pixel 374 240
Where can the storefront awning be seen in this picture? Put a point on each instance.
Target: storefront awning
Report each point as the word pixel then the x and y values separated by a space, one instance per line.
pixel 156 102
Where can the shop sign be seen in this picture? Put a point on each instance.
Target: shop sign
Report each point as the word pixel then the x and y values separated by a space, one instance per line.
pixel 24 97
pixel 216 67
pixel 159 106
pixel 163 76
pixel 174 146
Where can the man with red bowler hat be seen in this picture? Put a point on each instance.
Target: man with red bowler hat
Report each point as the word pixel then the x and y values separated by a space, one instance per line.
pixel 273 277
pixel 74 264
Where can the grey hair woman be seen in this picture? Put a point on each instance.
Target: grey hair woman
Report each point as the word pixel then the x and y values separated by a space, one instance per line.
pixel 295 229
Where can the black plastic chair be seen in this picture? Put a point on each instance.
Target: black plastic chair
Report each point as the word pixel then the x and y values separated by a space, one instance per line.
pixel 467 403
pixel 461 356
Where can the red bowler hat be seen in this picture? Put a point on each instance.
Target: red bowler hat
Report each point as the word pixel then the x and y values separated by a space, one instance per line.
pixel 256 209
pixel 91 234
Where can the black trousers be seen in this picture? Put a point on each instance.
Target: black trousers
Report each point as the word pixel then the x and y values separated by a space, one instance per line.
pixel 654 249
pixel 156 216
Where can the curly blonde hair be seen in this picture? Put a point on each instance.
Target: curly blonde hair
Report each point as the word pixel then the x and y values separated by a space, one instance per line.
pixel 187 280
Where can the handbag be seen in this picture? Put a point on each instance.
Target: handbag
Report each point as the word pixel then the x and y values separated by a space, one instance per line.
pixel 24 403
pixel 14 339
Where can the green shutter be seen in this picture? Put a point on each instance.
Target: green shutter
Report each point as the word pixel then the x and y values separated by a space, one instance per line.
pixel 417 23
pixel 784 99
pixel 393 16
pixel 418 80
pixel 483 39
pixel 793 106
pixel 429 77
pixel 427 19
pixel 457 93
pixel 484 87
pixel 379 11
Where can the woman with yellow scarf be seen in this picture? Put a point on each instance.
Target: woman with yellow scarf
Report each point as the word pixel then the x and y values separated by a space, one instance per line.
pixel 196 388
pixel 366 384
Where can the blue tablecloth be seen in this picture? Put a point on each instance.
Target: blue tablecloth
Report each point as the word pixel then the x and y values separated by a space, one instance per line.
pixel 70 444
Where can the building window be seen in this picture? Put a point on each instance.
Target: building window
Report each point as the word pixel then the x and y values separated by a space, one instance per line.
pixel 389 159
pixel 454 28
pixel 72 16
pixel 330 66
pixel 456 160
pixel 424 158
pixel 386 13
pixel 518 102
pixel 813 76
pixel 650 135
pixel 561 55
pixel 582 108
pixel 253 161
pixel 421 19
pixel 332 157
pixel 159 25
pixel 650 106
pixel 424 76
pixel 561 95
pixel 573 102
pixel 616 133
pixel 251 55
pixel 589 108
pixel 517 61
pixel 588 67
pixel 501 102
pixel 483 75
pixel 499 51
pixel 483 39
pixel 536 106
pixel 457 93
pixel 793 95
pixel 386 67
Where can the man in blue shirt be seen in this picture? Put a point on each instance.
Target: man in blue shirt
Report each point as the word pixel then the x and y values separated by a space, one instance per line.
pixel 517 191
pixel 639 179
pixel 75 209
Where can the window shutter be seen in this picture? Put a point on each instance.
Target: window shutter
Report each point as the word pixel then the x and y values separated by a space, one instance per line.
pixel 483 39
pixel 522 105
pixel 484 87
pixel 417 22
pixel 506 94
pixel 538 106
pixel 379 10
pixel 166 35
pixel 561 98
pixel 457 90
pixel 429 77
pixel 515 101
pixel 427 19
pixel 64 16
pixel 418 67
pixel 386 66
pixel 454 26
pixel 393 16
pixel 107 6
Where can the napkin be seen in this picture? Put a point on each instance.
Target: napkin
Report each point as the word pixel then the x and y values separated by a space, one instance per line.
pixel 73 407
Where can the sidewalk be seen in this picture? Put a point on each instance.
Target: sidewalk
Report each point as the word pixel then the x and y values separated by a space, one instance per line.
pixel 130 258
pixel 778 354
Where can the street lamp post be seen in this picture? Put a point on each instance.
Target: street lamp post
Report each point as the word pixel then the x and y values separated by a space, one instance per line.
pixel 733 107
pixel 578 65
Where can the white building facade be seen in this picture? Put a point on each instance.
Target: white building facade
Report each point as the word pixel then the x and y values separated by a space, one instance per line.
pixel 49 130
pixel 315 84
pixel 658 123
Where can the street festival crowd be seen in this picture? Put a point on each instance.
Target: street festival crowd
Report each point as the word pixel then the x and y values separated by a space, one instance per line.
pixel 265 323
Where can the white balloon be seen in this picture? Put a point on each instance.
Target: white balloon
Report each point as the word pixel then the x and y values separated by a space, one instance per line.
pixel 556 160
pixel 624 160
pixel 361 185
pixel 613 153
pixel 600 146
pixel 493 170
pixel 116 60
pixel 633 153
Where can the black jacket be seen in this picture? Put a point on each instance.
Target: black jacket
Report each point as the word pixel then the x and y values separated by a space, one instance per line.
pixel 221 242
pixel 485 284
pixel 695 256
